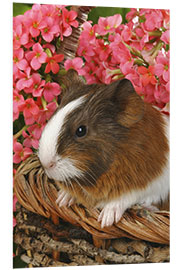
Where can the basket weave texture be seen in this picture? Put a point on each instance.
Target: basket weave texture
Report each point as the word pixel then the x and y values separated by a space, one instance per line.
pixel 38 194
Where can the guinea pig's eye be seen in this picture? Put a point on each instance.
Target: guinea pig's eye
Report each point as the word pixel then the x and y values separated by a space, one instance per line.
pixel 81 131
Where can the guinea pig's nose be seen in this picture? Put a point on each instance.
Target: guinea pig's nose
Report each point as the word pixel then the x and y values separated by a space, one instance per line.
pixel 50 165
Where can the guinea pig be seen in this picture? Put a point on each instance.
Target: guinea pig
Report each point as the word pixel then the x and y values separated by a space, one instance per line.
pixel 107 147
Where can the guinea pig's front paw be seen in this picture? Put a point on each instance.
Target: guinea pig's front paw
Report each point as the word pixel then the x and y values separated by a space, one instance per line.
pixel 150 207
pixel 64 199
pixel 112 212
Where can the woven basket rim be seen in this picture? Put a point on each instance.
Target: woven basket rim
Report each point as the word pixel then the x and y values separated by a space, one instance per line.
pixel 38 194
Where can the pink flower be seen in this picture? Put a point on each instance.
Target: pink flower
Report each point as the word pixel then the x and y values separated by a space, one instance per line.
pixel 65 31
pixel 85 49
pixel 51 90
pixel 88 72
pixel 50 109
pixel 45 114
pixel 120 54
pixel 17 100
pixel 37 130
pixel 32 138
pixel 106 25
pixel 50 46
pixel 144 40
pixel 166 18
pixel 33 20
pixel 166 37
pixel 131 14
pixel 52 63
pixel 134 77
pixel 37 56
pixel 161 94
pixel 49 29
pixel 20 35
pixel 18 60
pixel 110 74
pixel 167 86
pixel 30 111
pixel 37 86
pixel 75 63
pixel 48 10
pixel 68 18
pixel 147 75
pixel 88 31
pixel 162 67
pixel 126 33
pixel 154 20
pixel 103 50
pixel 126 67
pixel 25 80
pixel 20 153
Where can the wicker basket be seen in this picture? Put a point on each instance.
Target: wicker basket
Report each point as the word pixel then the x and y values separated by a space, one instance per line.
pixel 38 194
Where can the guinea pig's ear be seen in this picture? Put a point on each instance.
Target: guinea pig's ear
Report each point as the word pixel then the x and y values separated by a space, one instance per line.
pixel 130 104
pixel 70 78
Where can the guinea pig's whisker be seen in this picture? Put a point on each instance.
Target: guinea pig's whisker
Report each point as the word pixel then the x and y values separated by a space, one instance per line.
pixel 92 176
pixel 76 180
pixel 71 184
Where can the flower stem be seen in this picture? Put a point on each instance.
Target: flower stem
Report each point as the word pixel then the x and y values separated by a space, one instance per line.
pixel 19 133
pixel 48 78
pixel 140 62
pixel 155 33
pixel 156 49
pixel 44 103
pixel 117 77
pixel 55 102
pixel 48 52
pixel 135 52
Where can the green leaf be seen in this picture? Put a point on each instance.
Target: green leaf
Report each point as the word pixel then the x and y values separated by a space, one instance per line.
pixel 19 8
pixel 18 263
pixel 97 12
pixel 18 124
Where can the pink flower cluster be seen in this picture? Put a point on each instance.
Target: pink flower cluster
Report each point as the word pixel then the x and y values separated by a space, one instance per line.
pixel 35 38
pixel 137 50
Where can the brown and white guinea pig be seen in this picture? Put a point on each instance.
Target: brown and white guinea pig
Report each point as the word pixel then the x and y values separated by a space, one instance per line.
pixel 107 148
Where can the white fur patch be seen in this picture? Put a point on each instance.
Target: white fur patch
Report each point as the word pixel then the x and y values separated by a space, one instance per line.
pixel 63 168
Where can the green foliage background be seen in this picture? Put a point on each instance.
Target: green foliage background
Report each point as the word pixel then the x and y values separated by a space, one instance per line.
pixel 21 8
pixel 94 15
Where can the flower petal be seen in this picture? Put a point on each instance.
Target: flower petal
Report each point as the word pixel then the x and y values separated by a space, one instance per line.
pixel 16 158
pixel 17 147
pixel 58 57
pixel 24 39
pixel 35 63
pixel 22 64
pixel 48 68
pixel 42 58
pixel 55 67
pixel 159 69
pixel 48 95
pixel 37 48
